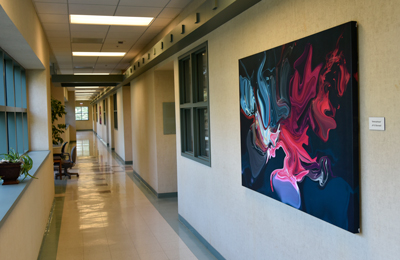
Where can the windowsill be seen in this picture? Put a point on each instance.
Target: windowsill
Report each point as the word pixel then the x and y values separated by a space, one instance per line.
pixel 203 160
pixel 11 194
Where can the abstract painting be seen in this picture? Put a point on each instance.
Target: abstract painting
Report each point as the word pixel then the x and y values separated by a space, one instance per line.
pixel 299 125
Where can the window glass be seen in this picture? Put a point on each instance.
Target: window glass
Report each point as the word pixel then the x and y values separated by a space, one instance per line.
pixel 13 106
pixel 81 113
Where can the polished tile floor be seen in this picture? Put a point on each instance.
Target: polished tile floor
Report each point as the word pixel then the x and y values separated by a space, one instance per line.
pixel 107 213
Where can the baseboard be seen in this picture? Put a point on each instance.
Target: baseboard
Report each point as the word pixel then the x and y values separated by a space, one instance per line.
pixel 159 195
pixel 78 130
pixel 201 238
pixel 119 158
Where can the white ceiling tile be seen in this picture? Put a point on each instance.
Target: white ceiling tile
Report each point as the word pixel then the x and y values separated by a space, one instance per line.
pixel 94 2
pixel 51 1
pixel 104 66
pixel 88 34
pixel 55 40
pixel 169 13
pixel 161 22
pixel 127 29
pixel 54 18
pixel 55 26
pixel 62 50
pixel 64 60
pixel 61 44
pixel 89 28
pixel 66 71
pixel 117 35
pixel 86 47
pixel 108 60
pixel 92 9
pixel 80 59
pixel 114 48
pixel 179 3
pixel 84 64
pixel 51 8
pixel 56 34
pixel 151 3
pixel 138 11
pixel 126 41
pixel 122 66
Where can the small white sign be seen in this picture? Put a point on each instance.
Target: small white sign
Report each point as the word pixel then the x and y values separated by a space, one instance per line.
pixel 377 123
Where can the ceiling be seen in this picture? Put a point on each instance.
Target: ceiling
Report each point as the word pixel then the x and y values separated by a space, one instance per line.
pixel 64 38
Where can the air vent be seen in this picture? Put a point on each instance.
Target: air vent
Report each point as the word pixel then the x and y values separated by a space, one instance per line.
pixel 87 40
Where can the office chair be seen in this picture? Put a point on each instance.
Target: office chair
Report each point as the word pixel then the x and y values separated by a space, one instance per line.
pixel 67 164
pixel 63 154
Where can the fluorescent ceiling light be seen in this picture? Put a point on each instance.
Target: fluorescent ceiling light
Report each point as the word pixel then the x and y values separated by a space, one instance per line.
pixel 98 54
pixel 110 20
pixel 87 91
pixel 86 87
pixel 91 73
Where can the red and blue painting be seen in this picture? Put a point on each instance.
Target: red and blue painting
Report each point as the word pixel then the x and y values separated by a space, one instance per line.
pixel 300 126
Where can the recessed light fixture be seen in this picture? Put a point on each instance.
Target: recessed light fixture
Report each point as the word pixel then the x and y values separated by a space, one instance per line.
pixel 110 20
pixel 86 91
pixel 91 73
pixel 98 54
pixel 87 87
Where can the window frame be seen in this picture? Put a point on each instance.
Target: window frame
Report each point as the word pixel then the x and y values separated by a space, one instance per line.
pixel 194 105
pixel 82 113
pixel 14 112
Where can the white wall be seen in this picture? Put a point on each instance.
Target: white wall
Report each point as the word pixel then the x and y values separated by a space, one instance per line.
pixel 122 135
pixel 154 154
pixel 242 224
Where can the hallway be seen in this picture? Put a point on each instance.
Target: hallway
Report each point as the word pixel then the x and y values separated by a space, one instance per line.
pixel 107 213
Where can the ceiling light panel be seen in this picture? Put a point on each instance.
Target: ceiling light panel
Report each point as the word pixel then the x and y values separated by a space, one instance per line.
pixel 86 91
pixel 110 20
pixel 86 87
pixel 91 73
pixel 98 54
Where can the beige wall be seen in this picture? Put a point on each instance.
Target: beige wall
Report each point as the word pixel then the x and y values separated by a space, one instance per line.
pixel 27 222
pixel 154 154
pixel 22 233
pixel 144 128
pixel 242 224
pixel 70 116
pixel 119 133
pixel 166 148
pixel 85 125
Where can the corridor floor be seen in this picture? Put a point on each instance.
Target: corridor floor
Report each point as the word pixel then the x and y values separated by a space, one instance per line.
pixel 107 213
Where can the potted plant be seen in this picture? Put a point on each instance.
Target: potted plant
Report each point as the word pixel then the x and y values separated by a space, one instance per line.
pixel 14 165
pixel 57 111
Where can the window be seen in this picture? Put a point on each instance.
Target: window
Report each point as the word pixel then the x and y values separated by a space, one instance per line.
pixel 13 106
pixel 115 111
pixel 194 105
pixel 82 113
